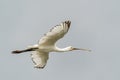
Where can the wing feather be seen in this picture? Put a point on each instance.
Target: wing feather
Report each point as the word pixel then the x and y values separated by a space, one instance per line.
pixel 55 33
pixel 39 59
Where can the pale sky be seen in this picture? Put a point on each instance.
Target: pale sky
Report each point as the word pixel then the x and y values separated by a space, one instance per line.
pixel 95 25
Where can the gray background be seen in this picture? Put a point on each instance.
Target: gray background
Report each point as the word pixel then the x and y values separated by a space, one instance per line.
pixel 95 25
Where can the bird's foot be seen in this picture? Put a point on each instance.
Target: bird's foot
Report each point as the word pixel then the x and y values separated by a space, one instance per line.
pixel 16 52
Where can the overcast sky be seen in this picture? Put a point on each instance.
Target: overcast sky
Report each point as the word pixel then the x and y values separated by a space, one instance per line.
pixel 95 25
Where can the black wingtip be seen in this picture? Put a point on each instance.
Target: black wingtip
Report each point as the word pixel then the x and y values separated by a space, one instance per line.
pixel 68 22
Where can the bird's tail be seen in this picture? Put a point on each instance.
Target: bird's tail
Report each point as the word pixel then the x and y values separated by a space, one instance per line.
pixel 25 50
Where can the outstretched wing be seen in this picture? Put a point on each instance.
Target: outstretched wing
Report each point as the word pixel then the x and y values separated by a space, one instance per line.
pixel 39 59
pixel 55 33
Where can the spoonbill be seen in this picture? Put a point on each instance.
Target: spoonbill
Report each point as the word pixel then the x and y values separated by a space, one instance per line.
pixel 40 51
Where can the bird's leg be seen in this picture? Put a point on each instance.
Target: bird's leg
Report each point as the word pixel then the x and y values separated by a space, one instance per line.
pixel 25 50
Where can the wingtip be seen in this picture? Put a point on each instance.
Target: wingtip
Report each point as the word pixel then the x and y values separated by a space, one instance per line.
pixel 68 22
pixel 39 67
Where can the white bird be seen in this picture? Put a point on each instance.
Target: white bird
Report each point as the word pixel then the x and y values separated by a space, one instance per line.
pixel 47 44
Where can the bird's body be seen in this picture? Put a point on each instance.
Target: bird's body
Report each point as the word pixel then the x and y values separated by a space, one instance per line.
pixel 47 44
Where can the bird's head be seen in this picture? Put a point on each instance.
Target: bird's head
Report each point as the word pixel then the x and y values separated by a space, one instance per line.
pixel 70 48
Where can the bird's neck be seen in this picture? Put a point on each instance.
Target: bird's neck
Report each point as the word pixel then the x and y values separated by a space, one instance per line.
pixel 62 49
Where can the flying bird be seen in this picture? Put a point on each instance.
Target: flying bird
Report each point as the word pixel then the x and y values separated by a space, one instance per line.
pixel 40 51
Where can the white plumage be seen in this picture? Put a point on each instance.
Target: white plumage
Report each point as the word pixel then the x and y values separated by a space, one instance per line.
pixel 40 58
pixel 55 33
pixel 46 44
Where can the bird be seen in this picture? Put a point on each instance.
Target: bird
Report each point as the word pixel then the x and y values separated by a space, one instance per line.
pixel 47 44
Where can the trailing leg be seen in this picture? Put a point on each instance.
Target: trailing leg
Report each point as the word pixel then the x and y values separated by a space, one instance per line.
pixel 25 50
